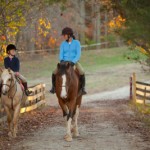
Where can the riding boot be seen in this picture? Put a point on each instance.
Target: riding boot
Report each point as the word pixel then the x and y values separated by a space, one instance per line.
pixel 82 80
pixel 53 84
pixel 27 92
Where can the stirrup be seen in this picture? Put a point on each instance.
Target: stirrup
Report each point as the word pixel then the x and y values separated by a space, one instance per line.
pixel 27 92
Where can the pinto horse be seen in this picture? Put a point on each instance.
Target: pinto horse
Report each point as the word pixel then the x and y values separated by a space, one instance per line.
pixel 13 97
pixel 69 97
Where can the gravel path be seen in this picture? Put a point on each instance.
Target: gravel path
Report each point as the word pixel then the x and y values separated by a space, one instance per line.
pixel 121 93
pixel 103 125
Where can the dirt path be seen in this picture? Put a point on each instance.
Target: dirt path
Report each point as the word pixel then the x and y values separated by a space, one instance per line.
pixel 103 125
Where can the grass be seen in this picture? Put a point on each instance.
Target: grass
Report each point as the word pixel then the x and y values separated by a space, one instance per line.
pixel 106 69
pixel 142 109
pixel 93 60
pixel 42 66
pixel 142 112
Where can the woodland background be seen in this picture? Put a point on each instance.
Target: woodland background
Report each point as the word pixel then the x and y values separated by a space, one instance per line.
pixel 36 25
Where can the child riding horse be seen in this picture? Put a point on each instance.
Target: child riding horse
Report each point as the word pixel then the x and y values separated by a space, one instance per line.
pixel 70 50
pixel 12 98
pixel 13 63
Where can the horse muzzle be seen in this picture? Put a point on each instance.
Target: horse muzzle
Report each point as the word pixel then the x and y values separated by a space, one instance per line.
pixel 4 93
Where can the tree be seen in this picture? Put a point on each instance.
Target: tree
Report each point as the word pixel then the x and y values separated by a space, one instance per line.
pixel 11 17
pixel 136 28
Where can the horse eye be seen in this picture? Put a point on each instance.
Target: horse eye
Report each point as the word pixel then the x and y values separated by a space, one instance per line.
pixel 9 80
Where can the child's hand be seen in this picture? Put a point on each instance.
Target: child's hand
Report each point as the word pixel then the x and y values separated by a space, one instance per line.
pixel 17 73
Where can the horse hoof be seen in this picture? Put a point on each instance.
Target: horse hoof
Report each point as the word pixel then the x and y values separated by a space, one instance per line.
pixel 68 138
pixel 76 134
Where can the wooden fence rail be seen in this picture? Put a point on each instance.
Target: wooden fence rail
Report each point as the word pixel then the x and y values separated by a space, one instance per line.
pixel 141 91
pixel 34 101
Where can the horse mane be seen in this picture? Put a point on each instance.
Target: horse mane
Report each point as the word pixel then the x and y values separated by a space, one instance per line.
pixel 7 70
pixel 63 66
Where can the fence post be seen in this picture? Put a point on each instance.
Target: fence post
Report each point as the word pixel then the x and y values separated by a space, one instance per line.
pixel 134 88
pixel 130 88
pixel 144 97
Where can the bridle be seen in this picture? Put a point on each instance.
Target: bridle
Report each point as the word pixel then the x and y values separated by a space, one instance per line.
pixel 10 87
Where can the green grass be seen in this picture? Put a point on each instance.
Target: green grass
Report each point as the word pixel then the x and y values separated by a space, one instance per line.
pixel 142 109
pixel 42 66
pixel 93 60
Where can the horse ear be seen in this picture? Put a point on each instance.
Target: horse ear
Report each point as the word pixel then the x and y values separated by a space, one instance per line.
pixel 67 64
pixel 58 65
pixel 1 69
pixel 9 70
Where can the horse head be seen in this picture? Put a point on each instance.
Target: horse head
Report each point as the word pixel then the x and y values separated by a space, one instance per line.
pixel 7 79
pixel 63 78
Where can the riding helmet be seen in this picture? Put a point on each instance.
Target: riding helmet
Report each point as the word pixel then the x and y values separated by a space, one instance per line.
pixel 67 31
pixel 10 47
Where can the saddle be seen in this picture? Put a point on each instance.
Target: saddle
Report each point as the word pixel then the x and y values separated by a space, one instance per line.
pixel 20 82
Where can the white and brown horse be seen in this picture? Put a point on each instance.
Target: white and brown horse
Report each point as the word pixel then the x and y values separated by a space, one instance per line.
pixel 67 91
pixel 12 97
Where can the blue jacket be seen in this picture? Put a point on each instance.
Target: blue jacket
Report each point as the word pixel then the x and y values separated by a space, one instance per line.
pixel 13 63
pixel 70 52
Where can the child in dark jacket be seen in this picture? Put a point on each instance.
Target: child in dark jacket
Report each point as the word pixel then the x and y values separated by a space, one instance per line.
pixel 12 62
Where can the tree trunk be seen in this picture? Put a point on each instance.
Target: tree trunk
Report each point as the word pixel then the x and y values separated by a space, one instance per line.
pixel 82 21
pixel 96 22
pixel 106 27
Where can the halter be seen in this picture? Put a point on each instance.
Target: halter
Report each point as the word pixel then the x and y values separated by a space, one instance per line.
pixel 10 87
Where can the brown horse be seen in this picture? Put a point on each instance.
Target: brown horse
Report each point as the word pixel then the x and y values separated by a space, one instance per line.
pixel 67 91
pixel 13 97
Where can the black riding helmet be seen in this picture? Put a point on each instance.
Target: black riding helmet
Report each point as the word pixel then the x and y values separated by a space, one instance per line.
pixel 67 31
pixel 10 47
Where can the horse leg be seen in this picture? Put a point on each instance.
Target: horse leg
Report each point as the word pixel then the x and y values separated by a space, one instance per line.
pixel 71 106
pixel 9 120
pixel 75 123
pixel 15 119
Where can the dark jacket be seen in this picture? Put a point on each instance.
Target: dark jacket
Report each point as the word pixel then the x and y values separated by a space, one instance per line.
pixel 13 63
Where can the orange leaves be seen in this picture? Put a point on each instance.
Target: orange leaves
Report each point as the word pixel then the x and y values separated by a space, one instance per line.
pixel 142 50
pixel 129 42
pixel 44 26
pixel 45 23
pixel 2 38
pixel 52 42
pixel 3 53
pixel 117 22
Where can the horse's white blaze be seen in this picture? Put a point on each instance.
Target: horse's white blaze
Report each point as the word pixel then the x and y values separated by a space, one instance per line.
pixel 63 90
